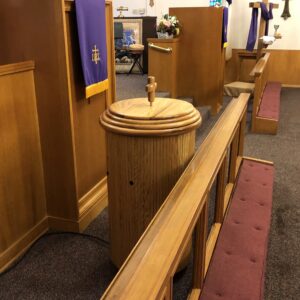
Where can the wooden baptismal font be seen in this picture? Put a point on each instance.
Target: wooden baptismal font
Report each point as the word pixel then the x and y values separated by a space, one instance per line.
pixel 149 144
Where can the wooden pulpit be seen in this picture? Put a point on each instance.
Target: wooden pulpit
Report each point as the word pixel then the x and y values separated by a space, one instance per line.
pixel 195 67
pixel 73 146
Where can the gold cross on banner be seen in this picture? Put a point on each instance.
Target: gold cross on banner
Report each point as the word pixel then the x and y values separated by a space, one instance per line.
pixel 95 55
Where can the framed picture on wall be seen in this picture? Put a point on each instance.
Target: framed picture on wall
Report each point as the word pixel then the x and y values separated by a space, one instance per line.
pixel 127 32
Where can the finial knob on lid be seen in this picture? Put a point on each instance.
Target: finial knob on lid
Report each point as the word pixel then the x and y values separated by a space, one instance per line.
pixel 151 88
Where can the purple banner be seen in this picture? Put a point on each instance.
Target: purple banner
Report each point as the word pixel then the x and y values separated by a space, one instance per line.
pixel 91 24
pixel 225 27
pixel 266 15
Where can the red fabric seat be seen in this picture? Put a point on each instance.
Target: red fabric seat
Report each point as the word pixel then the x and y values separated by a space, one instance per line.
pixel 237 267
pixel 270 102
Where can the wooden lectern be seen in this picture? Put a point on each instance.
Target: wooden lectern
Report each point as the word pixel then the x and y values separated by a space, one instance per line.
pixel 195 67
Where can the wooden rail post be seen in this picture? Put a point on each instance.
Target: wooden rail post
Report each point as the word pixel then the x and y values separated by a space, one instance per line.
pixel 221 184
pixel 242 135
pixel 200 248
pixel 233 157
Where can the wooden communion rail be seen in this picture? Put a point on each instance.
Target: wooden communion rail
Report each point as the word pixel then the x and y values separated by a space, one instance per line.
pixel 148 271
pixel 266 103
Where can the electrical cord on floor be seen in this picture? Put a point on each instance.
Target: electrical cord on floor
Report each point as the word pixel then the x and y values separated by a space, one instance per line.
pixel 100 241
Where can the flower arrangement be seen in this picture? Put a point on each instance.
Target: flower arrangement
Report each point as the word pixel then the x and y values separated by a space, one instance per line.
pixel 168 25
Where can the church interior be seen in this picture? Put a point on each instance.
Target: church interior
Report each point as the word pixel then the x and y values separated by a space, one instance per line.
pixel 149 149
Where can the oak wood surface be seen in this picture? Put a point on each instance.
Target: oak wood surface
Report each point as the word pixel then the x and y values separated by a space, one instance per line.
pixel 88 137
pixel 144 169
pixel 164 65
pixel 201 58
pixel 138 117
pixel 73 143
pixel 142 275
pixel 257 4
pixel 22 190
pixel 284 67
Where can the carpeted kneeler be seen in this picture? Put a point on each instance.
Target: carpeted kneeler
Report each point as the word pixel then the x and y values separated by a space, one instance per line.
pixel 270 102
pixel 236 271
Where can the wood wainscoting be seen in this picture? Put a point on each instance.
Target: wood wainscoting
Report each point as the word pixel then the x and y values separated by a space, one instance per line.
pixel 73 143
pixel 53 161
pixel 22 192
pixel 284 67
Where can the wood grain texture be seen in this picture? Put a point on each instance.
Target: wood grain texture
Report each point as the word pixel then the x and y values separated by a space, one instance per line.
pixel 164 65
pixel 257 4
pixel 284 67
pixel 22 244
pixel 22 190
pixel 164 116
pixel 16 68
pixel 145 170
pixel 73 143
pixel 200 248
pixel 154 259
pixel 25 20
pixel 201 59
pixel 88 137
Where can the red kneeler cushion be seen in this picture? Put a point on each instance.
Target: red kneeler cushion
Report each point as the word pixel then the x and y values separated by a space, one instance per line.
pixel 237 267
pixel 270 102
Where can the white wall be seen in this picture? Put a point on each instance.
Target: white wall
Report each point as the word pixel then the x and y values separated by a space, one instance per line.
pixel 239 20
pixel 160 6
pixel 134 4
pixel 290 29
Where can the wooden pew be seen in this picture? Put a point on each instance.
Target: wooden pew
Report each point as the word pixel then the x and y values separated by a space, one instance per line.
pixel 266 102
pixel 148 271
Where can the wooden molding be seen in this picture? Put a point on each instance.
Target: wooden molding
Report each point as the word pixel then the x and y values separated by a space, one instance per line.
pixel 91 204
pixel 17 67
pixel 260 66
pixel 211 243
pixel 265 126
pixel 22 244
pixel 267 162
pixel 292 86
pixel 62 224
pixel 89 199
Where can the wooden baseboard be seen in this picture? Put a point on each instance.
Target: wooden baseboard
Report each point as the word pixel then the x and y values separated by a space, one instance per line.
pixel 62 224
pixel 22 244
pixel 264 126
pixel 267 162
pixel 292 86
pixel 90 206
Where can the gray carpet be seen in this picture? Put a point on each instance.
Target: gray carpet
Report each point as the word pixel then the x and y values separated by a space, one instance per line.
pixel 68 266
